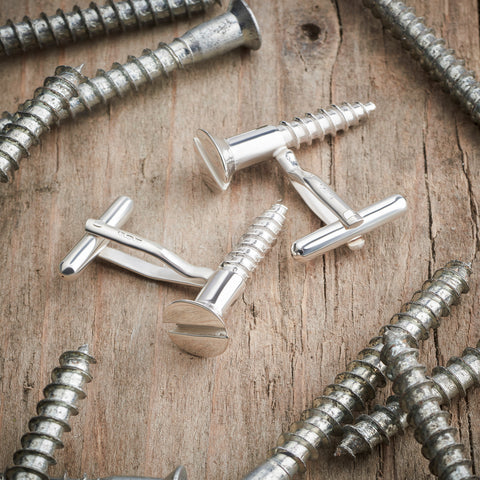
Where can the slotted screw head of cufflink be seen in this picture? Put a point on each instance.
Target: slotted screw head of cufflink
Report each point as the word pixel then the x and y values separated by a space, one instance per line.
pixel 220 158
pixel 200 326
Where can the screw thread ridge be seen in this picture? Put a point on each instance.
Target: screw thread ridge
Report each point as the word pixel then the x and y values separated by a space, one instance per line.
pixel 387 420
pixel 95 21
pixel 434 56
pixel 69 93
pixel 256 242
pixel 53 413
pixel 353 388
pixel 129 77
pixel 327 121
pixel 422 401
pixel 49 106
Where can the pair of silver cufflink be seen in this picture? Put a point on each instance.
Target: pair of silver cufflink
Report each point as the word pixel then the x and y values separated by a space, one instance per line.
pixel 199 324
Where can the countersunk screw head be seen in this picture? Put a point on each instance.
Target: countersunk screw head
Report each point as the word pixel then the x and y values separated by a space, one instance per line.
pixel 217 167
pixel 205 336
pixel 248 24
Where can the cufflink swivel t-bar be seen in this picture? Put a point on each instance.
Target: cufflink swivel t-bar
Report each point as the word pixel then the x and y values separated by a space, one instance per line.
pixel 223 157
pixel 200 328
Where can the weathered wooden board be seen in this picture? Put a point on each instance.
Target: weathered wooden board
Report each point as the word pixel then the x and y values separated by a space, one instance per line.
pixel 151 406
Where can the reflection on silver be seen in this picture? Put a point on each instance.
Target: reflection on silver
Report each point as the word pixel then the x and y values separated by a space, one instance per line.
pixel 200 327
pixel 199 324
pixel 335 234
pixel 101 232
pixel 222 157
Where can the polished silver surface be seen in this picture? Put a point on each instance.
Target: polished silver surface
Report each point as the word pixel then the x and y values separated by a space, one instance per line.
pixel 93 22
pixel 100 232
pixel 54 411
pixel 69 93
pixel 355 387
pixel 431 51
pixel 199 324
pixel 316 193
pixel 221 158
pixel 335 234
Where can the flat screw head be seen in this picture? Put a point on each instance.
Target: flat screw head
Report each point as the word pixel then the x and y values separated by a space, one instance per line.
pixel 248 24
pixel 199 330
pixel 216 162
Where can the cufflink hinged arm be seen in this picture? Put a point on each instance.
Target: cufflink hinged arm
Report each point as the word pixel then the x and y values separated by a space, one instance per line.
pixel 105 230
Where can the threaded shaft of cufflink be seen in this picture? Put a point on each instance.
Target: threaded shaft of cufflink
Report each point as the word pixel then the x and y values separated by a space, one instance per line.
pixel 95 21
pixel 431 52
pixel 388 420
pixel 358 384
pixel 256 242
pixel 54 411
pixel 327 121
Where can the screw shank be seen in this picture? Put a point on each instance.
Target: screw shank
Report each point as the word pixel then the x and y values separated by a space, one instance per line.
pixel 84 24
pixel 434 56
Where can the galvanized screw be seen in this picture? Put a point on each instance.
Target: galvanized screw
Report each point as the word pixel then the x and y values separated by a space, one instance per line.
pixel 353 388
pixel 200 327
pixel 178 474
pixel 387 420
pixel 54 411
pixel 433 55
pixel 418 397
pixel 231 30
pixel 95 21
pixel 49 107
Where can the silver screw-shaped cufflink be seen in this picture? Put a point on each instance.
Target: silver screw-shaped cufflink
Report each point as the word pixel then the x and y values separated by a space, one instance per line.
pixel 200 327
pixel 221 158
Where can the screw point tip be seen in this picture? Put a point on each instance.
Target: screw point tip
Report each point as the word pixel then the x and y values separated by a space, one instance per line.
pixel 84 348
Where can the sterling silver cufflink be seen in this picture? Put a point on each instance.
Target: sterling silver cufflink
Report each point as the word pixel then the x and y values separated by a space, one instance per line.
pixel 199 326
pixel 221 158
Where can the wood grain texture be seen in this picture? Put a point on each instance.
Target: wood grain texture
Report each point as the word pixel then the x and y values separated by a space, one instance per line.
pixel 151 406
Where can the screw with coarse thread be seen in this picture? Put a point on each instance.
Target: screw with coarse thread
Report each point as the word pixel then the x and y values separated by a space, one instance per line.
pixel 54 411
pixel 235 28
pixel 353 388
pixel 95 21
pixel 419 398
pixel 387 420
pixel 431 51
